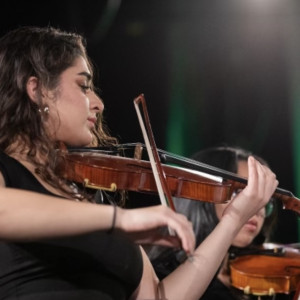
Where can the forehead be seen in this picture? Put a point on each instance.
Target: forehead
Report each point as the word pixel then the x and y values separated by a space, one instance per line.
pixel 242 168
pixel 80 67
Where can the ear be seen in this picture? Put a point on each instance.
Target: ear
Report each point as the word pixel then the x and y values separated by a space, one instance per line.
pixel 32 89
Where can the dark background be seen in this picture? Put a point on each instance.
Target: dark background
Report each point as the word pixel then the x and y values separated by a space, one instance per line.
pixel 213 72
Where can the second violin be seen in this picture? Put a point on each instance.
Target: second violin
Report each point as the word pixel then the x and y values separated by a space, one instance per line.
pixel 261 274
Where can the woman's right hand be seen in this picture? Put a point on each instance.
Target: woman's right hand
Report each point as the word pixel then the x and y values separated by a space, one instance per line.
pixel 143 225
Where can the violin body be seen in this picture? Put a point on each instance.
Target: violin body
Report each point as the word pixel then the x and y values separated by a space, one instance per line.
pixel 267 275
pixel 109 172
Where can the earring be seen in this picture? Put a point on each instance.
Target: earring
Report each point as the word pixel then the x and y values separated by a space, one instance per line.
pixel 45 110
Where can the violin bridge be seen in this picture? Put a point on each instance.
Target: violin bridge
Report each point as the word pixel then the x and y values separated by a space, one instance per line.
pixel 138 151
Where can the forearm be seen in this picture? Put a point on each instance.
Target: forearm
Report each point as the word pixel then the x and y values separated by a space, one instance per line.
pixel 27 215
pixel 190 280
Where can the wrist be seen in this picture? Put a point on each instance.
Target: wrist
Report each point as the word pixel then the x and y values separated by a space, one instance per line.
pixel 118 218
pixel 114 217
pixel 231 224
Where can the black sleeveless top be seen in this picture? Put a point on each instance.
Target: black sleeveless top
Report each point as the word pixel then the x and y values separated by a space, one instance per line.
pixel 95 266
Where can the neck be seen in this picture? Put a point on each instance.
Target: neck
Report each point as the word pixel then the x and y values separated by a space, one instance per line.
pixel 224 272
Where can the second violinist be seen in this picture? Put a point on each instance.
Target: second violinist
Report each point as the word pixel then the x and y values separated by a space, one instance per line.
pixel 55 242
pixel 205 216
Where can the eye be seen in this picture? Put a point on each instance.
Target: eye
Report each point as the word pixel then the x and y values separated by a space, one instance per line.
pixel 236 192
pixel 85 88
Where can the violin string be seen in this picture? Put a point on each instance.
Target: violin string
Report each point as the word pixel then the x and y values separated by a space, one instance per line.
pixel 171 158
pixel 179 160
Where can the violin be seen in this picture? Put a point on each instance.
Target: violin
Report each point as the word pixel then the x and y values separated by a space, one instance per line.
pixel 267 272
pixel 163 173
pixel 106 169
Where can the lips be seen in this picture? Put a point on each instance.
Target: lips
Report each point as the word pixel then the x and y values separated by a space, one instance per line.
pixel 92 120
pixel 251 225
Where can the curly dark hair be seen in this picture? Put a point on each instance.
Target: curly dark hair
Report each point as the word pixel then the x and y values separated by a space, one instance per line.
pixel 44 53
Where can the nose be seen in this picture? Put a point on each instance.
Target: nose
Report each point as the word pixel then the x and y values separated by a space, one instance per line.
pixel 96 103
pixel 261 213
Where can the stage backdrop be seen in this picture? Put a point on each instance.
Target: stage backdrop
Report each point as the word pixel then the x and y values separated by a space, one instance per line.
pixel 213 73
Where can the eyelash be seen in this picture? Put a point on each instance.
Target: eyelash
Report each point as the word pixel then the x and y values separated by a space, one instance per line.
pixel 85 88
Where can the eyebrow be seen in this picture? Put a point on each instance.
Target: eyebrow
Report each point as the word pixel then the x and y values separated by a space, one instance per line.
pixel 86 74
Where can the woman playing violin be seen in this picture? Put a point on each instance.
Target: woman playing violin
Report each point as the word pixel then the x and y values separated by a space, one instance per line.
pixel 55 241
pixel 205 216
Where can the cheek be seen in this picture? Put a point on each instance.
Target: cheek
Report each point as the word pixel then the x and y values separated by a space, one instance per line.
pixel 84 103
pixel 219 208
pixel 260 224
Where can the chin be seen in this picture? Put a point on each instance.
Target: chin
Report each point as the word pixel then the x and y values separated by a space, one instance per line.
pixel 84 141
pixel 242 242
pixel 79 144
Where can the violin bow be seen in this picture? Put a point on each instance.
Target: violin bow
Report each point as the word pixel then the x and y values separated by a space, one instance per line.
pixel 159 175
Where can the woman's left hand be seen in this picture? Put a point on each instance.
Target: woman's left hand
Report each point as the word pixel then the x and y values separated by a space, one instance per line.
pixel 261 185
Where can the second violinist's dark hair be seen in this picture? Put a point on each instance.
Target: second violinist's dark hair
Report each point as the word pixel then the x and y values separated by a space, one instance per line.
pixel 202 214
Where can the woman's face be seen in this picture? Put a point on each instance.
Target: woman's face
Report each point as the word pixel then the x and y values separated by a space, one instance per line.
pixel 251 229
pixel 73 108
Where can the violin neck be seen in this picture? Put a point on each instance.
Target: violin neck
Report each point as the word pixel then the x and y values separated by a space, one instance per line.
pixel 289 201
